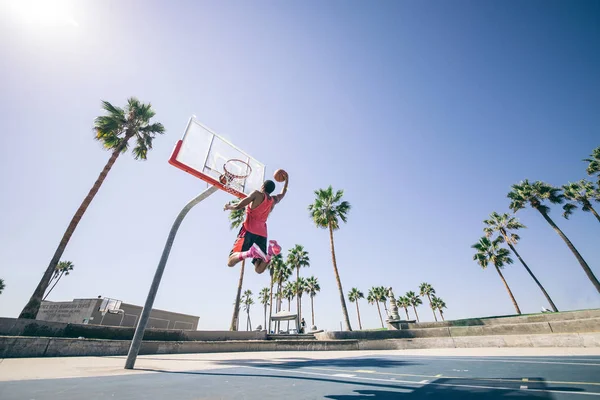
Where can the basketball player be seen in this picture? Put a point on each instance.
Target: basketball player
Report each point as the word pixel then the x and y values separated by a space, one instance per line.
pixel 251 242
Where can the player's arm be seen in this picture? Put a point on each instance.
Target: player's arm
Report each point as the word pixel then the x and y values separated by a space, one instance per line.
pixel 281 195
pixel 242 203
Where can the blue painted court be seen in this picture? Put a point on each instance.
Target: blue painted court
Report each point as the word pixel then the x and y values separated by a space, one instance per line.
pixel 366 377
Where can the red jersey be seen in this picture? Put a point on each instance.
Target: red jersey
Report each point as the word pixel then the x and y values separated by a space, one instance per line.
pixel 256 218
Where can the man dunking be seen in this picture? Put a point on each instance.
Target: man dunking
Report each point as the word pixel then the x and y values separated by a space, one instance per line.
pixel 251 242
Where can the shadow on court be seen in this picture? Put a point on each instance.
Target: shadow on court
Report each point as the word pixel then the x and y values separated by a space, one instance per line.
pixel 443 388
pixel 295 363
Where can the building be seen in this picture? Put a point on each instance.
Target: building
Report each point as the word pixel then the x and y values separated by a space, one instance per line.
pixel 111 312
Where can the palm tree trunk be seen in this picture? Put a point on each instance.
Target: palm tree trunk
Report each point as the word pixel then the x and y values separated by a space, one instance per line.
pixel 265 325
pixel 236 306
pixel 442 315
pixel 55 282
pixel 594 211
pixel 270 306
pixel 289 309
pixel 358 313
pixel 379 311
pixel 33 305
pixel 415 309
pixel 406 311
pixel 297 299
pixel 582 262
pixel 509 291
pixel 312 309
pixel 339 282
pixel 432 309
pixel 531 274
pixel 300 309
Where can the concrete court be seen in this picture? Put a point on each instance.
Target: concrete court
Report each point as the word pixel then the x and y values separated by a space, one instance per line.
pixel 550 373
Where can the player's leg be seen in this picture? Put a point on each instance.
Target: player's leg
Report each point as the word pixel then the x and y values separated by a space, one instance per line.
pixel 261 263
pixel 242 244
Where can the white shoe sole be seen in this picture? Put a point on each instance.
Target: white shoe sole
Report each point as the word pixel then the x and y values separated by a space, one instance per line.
pixel 259 251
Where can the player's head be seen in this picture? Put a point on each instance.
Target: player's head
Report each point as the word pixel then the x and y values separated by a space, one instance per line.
pixel 268 186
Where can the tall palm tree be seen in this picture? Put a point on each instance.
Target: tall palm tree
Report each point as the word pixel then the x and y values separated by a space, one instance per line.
pixel 62 268
pixel 354 295
pixel 326 212
pixel 582 192
pixel 288 293
pixel 114 130
pixel 438 304
pixel 593 167
pixel 534 194
pixel 273 266
pixel 248 301
pixel 373 298
pixel 404 303
pixel 236 219
pixel 312 288
pixel 263 297
pixel 282 272
pixel 381 294
pixel 2 286
pixel 490 252
pixel 299 289
pixel 298 258
pixel 414 301
pixel 503 224
pixel 427 290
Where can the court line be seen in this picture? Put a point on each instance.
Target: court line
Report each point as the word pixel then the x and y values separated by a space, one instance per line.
pixel 415 383
pixel 464 377
pixel 472 359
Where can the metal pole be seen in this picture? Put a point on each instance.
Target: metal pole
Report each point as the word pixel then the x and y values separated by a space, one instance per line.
pixel 136 343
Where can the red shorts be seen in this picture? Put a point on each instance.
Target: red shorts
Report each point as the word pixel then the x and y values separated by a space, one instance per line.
pixel 246 239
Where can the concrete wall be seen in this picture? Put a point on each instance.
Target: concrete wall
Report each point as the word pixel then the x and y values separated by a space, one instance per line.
pixel 13 347
pixel 525 328
pixel 551 340
pixel 27 327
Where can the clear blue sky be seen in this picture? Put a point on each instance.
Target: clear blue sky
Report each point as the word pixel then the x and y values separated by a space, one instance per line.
pixel 423 112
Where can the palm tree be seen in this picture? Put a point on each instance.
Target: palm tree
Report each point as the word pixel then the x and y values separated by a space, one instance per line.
pixel 438 304
pixel 289 293
pixel 282 272
pixel 2 286
pixel 62 268
pixel 114 130
pixel 236 219
pixel 298 258
pixel 534 194
pixel 414 301
pixel 354 295
pixel 593 167
pixel 273 266
pixel 299 289
pixel 583 192
pixel 427 290
pixel 247 301
pixel 490 252
pixel 326 212
pixel 373 297
pixel 312 288
pixel 404 303
pixel 263 298
pixel 503 224
pixel 382 297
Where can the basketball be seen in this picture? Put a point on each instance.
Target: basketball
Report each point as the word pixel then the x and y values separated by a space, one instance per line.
pixel 280 175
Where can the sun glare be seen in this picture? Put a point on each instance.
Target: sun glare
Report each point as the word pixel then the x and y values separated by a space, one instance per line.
pixel 43 12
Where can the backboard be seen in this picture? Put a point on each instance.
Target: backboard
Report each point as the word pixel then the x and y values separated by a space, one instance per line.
pixel 203 153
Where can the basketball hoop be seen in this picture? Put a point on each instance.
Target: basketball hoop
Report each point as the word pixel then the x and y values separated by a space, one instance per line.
pixel 236 172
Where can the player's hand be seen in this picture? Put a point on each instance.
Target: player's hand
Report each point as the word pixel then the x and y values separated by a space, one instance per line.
pixel 227 207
